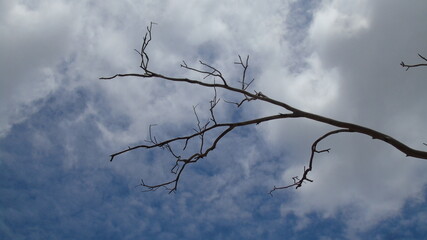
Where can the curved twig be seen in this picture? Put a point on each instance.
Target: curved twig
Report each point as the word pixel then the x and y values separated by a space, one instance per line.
pixel 299 181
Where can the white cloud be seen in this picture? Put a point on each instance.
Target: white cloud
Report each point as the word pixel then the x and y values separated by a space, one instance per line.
pixel 33 41
pixel 338 19
pixel 341 78
pixel 342 62
pixel 357 48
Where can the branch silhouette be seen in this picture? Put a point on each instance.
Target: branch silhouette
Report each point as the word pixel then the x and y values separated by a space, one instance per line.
pixel 414 65
pixel 208 145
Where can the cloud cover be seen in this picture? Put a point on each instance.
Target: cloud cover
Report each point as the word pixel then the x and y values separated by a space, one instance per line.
pixel 335 58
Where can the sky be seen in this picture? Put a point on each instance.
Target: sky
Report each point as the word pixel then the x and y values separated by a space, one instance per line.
pixel 59 123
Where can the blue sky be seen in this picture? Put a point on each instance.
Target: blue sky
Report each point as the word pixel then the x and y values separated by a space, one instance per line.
pixel 59 123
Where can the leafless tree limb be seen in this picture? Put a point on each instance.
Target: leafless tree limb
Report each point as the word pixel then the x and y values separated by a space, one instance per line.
pixel 414 65
pixel 205 147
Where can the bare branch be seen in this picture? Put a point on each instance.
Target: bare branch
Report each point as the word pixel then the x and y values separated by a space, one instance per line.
pixel 203 152
pixel 425 59
pixel 198 133
pixel 414 65
pixel 299 181
pixel 220 130
pixel 213 104
pixel 245 66
pixel 213 73
pixel 144 56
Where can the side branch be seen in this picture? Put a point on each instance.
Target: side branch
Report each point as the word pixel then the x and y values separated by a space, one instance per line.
pixel 203 131
pixel 182 162
pixel 213 73
pixel 299 181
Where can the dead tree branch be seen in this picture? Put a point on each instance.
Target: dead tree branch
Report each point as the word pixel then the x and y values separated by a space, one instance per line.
pixel 299 181
pixel 414 65
pixel 212 125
